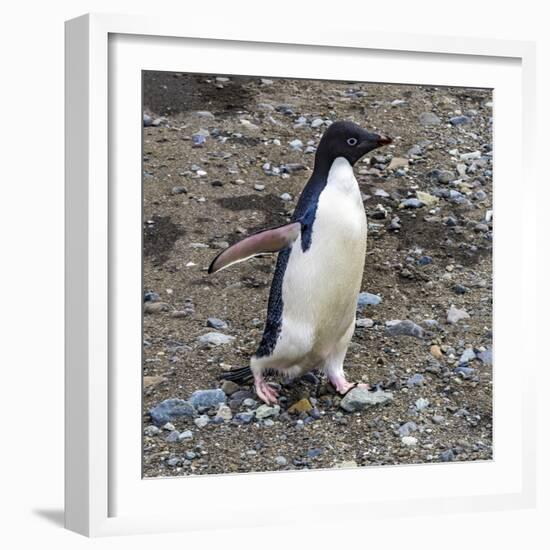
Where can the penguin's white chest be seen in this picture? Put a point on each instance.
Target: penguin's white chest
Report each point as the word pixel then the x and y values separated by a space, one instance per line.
pixel 321 284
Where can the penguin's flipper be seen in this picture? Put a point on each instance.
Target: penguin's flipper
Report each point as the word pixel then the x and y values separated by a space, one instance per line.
pixel 263 242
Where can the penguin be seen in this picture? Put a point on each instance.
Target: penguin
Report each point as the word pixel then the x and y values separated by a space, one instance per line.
pixel 321 256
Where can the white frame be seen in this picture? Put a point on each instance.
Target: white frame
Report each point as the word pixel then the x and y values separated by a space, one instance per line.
pixel 89 465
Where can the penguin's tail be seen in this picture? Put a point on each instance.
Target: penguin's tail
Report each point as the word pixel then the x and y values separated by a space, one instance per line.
pixel 240 376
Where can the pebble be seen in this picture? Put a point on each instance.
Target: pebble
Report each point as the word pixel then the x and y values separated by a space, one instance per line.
pixel 429 119
pixel 171 409
pixel 459 289
pixel 243 417
pixel 486 356
pixel 435 350
pixel 407 428
pixel 151 296
pixel 286 197
pixel 454 315
pixel 398 162
pixel 358 399
pixel 415 380
pixel 421 403
pixel 296 144
pixel 409 441
pixel 314 453
pixel 173 437
pixel 187 434
pixel 215 339
pixel 470 156
pixel 467 355
pixel 204 114
pixel 229 387
pixel 414 151
pixel 224 412
pixel 438 419
pixel 151 431
pixel 411 203
pixel 404 328
pixel 458 120
pixel 316 122
pixel 265 411
pixel 259 187
pixel 174 461
pixel 281 461
pixel 367 299
pixel 178 190
pixel 426 198
pixel 202 421
pixel 249 402
pixel 303 405
pixel 447 456
pixel 155 307
pixel 364 323
pixel 218 324
pixel 204 399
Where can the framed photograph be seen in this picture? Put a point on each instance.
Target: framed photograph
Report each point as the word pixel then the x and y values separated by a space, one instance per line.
pixel 289 276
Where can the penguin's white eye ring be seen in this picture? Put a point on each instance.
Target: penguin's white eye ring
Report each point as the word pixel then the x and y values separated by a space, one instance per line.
pixel 352 141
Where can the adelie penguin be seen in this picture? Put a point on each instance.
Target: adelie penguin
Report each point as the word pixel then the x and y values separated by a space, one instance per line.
pixel 313 298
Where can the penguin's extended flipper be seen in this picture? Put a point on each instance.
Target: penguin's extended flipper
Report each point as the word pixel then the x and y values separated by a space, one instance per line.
pixel 263 242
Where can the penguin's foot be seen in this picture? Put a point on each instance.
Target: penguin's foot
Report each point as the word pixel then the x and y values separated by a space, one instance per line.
pixel 264 391
pixel 342 386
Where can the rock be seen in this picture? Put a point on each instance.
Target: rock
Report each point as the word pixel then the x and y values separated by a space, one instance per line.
pixel 404 328
pixel 415 380
pixel 411 203
pixel 229 387
pixel 438 419
pixel 465 372
pixel 243 417
pixel 190 455
pixel 204 114
pixel 178 190
pixel 286 197
pixel 296 144
pixel 265 411
pixel 151 431
pixel 169 427
pixel 150 296
pixel 435 350
pixel 187 434
pixel 467 355
pixel 198 140
pixel 218 324
pixel 249 402
pixel 458 120
pixel 301 406
pixel 259 187
pixel 358 399
pixel 421 404
pixel 147 120
pixel 409 441
pixel 281 461
pixel 414 151
pixel 426 198
pixel 381 193
pixel 470 156
pixel 316 122
pixel 215 339
pixel 407 428
pixel 266 82
pixel 398 162
pixel 367 299
pixel 445 177
pixel 314 453
pixel 202 421
pixel 364 323
pixel 459 289
pixel 150 382
pixel 454 315
pixel 424 260
pixel 224 413
pixel 204 399
pixel 155 307
pixel 346 464
pixel 174 461
pixel 173 437
pixel 429 119
pixel 486 356
pixel 447 456
pixel 171 409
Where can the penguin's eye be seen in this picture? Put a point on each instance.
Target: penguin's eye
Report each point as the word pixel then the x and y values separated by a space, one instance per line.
pixel 352 141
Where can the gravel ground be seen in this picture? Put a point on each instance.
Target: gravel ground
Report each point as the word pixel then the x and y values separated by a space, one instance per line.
pixel 224 157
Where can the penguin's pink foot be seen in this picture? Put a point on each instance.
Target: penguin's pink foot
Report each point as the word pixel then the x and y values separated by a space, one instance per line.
pixel 264 391
pixel 342 386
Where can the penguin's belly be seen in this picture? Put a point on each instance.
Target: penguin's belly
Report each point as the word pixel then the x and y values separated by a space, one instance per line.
pixel 321 284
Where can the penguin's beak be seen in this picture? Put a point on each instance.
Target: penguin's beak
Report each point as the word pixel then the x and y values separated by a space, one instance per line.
pixel 372 141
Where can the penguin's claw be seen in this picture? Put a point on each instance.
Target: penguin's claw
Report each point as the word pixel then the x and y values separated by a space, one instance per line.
pixel 265 392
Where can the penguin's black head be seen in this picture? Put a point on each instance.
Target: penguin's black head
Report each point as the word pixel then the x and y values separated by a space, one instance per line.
pixel 347 139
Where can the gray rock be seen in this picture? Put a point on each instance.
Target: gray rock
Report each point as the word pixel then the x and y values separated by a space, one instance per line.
pixel 409 441
pixel 174 461
pixel 243 418
pixel 486 357
pixel 454 315
pixel 204 399
pixel 447 456
pixel 204 114
pixel 465 372
pixel 173 437
pixel 286 197
pixel 367 299
pixel 202 421
pixel 224 413
pixel 415 380
pixel 411 203
pixel 407 428
pixel 458 120
pixel 414 151
pixel 171 409
pixel 316 123
pixel 364 323
pixel 445 176
pixel 404 328
pixel 438 419
pixel 151 431
pixel 429 119
pixel 187 434
pixel 218 324
pixel 358 399
pixel 421 403
pixel 178 190
pixel 229 387
pixel 296 144
pixel 265 411
pixel 281 461
pixel 215 339
pixel 467 355
pixel 249 402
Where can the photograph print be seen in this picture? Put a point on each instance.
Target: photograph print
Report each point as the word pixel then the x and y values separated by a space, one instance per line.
pixel 317 274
